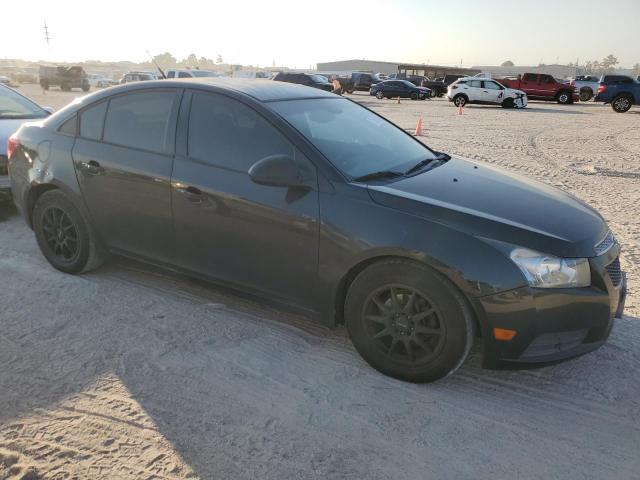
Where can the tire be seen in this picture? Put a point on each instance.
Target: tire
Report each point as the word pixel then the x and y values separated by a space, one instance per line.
pixel 86 87
pixel 507 103
pixel 350 91
pixel 434 93
pixel 83 251
pixel 379 95
pixel 586 94
pixel 414 96
pixel 44 85
pixel 65 87
pixel 564 97
pixel 621 103
pixel 460 100
pixel 426 339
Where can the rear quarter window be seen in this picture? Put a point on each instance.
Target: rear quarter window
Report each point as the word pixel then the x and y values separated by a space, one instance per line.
pixel 92 121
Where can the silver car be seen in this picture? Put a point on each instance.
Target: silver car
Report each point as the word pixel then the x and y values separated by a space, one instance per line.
pixel 15 109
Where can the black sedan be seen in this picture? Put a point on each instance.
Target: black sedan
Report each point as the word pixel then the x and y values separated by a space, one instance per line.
pixel 309 200
pixel 399 88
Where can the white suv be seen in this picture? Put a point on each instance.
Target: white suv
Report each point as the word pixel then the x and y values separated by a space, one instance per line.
pixel 485 91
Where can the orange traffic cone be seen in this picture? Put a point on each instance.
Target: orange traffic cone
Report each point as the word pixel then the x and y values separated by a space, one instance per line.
pixel 398 98
pixel 460 109
pixel 418 132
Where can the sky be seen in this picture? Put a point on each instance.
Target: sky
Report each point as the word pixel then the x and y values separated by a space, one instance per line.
pixel 298 33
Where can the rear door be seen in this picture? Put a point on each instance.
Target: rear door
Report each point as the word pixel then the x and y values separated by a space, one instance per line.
pixel 473 90
pixel 263 238
pixel 530 84
pixel 123 159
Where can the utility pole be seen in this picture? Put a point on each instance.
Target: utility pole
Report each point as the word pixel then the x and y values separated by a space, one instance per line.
pixel 46 33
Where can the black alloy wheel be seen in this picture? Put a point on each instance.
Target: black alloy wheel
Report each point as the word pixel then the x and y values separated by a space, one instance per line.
pixel 403 324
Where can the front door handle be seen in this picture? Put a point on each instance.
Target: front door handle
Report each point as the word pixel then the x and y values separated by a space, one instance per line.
pixel 92 167
pixel 192 193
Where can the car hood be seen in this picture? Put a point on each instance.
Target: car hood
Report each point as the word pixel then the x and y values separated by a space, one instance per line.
pixel 513 91
pixel 489 202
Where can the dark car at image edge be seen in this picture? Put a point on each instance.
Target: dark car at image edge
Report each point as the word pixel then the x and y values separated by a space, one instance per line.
pixel 309 200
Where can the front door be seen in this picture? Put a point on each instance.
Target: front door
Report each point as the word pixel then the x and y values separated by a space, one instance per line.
pixel 123 159
pixel 492 92
pixel 263 238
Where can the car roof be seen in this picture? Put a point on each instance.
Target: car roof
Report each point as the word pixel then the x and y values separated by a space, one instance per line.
pixel 261 90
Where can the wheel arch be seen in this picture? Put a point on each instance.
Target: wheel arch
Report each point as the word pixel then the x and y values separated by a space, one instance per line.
pixel 347 279
pixel 37 190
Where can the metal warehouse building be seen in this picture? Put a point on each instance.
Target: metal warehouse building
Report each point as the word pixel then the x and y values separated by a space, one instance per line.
pixel 373 66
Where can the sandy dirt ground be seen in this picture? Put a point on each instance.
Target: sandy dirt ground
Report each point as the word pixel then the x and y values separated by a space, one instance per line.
pixel 132 372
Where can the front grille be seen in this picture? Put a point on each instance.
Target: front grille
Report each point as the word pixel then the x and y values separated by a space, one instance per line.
pixel 614 272
pixel 606 243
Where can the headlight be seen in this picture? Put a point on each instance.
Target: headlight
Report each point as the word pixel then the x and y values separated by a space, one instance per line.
pixel 546 271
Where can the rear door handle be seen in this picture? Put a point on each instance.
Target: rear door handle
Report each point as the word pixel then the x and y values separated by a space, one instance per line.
pixel 92 167
pixel 192 193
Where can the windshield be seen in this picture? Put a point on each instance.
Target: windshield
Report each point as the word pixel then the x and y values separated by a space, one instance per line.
pixel 354 140
pixel 319 78
pixel 202 73
pixel 14 105
pixel 408 83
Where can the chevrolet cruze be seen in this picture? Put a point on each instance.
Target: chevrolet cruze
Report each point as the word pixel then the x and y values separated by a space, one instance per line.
pixel 307 199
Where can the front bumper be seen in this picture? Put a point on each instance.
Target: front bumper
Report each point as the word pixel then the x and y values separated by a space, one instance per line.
pixel 552 325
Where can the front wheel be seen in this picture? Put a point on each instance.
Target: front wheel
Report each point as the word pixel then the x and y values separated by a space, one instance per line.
pixel 379 95
pixel 564 98
pixel 408 321
pixel 507 103
pixel 64 235
pixel 621 103
pixel 414 96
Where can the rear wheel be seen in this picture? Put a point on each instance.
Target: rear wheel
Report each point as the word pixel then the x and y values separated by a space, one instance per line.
pixel 65 87
pixel 408 321
pixel 64 235
pixel 621 103
pixel 586 94
pixel 460 100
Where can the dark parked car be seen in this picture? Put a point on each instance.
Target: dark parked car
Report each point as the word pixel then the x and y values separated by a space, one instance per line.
pixel 362 82
pixel 310 80
pixel 399 88
pixel 620 91
pixel 310 200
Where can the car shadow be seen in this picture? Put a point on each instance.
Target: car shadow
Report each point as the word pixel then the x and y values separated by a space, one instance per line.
pixel 240 390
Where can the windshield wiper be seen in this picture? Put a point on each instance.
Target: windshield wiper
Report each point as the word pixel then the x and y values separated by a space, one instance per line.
pixel 378 175
pixel 436 161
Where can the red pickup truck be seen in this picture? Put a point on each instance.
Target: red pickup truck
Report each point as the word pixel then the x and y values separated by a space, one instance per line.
pixel 542 87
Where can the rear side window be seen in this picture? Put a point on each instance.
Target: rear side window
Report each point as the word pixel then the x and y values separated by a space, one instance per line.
pixel 475 83
pixel 92 120
pixel 141 120
pixel 530 77
pixel 171 74
pixel 225 133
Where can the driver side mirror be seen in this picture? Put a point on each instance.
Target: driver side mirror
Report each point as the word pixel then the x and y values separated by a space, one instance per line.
pixel 277 171
pixel 49 110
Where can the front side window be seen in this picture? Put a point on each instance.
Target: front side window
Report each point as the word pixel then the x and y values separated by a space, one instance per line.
pixel 226 133
pixel 184 75
pixel 492 86
pixel 92 120
pixel 355 140
pixel 141 120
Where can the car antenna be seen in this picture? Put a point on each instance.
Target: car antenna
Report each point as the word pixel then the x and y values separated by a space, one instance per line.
pixel 157 66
